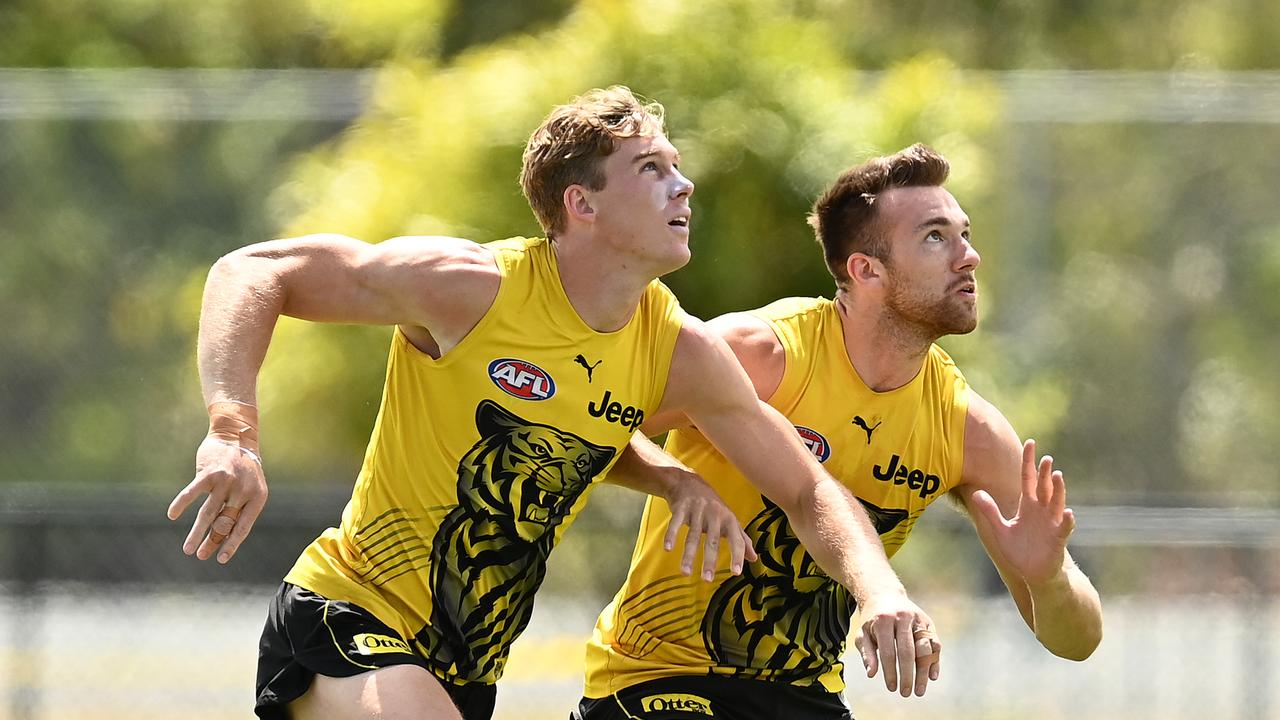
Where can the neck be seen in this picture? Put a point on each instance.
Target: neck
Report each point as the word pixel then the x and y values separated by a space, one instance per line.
pixel 603 289
pixel 883 350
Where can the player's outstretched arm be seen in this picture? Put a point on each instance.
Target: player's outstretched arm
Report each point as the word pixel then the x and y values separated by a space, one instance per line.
pixel 645 467
pixel 709 385
pixel 1019 508
pixel 436 288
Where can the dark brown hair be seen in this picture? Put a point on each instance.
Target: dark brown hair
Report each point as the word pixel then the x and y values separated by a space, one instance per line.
pixel 568 147
pixel 844 218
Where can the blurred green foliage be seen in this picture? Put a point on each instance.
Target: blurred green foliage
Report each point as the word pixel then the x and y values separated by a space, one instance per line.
pixel 1130 270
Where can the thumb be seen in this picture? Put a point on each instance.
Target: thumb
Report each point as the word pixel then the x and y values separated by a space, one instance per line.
pixel 987 508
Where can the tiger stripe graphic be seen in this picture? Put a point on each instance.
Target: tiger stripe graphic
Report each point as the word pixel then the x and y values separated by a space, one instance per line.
pixel 783 618
pixel 515 486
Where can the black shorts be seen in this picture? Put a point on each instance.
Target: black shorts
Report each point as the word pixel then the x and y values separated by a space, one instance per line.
pixel 308 635
pixel 699 697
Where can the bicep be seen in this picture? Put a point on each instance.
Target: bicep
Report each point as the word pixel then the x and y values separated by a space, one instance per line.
pixel 992 457
pixel 752 347
pixel 709 387
pixel 333 278
pixel 705 380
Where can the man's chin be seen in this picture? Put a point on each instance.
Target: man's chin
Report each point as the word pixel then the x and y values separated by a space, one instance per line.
pixel 962 326
pixel 676 260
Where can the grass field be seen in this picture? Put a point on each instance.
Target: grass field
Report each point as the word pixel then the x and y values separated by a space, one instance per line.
pixel 87 654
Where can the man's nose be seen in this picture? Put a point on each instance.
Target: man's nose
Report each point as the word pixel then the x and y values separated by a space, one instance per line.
pixel 683 185
pixel 970 258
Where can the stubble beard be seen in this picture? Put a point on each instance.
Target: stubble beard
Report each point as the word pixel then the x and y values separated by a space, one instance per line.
pixel 919 318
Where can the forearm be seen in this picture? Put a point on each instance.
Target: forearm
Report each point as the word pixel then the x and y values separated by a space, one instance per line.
pixel 826 517
pixel 1067 614
pixel 242 301
pixel 644 467
pixel 835 530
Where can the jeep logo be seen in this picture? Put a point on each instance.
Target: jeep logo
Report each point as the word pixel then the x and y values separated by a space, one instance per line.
pixel 899 474
pixel 628 416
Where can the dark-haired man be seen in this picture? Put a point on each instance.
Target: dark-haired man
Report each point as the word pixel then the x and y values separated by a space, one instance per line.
pixel 889 415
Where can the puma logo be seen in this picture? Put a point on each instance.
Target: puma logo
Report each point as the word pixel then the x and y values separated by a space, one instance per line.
pixel 583 362
pixel 857 420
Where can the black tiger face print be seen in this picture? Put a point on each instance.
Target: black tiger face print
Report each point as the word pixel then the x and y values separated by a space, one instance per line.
pixel 783 618
pixel 488 558
pixel 523 475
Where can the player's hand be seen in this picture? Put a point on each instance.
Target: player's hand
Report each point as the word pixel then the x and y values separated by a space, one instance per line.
pixel 236 492
pixel 1034 540
pixel 696 505
pixel 899 637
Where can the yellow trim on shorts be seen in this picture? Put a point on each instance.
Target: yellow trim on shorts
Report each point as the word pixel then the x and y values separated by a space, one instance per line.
pixel 325 619
pixel 622 707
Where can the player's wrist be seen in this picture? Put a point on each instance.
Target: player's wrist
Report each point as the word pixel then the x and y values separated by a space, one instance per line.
pixel 235 424
pixel 884 593
pixel 1052 583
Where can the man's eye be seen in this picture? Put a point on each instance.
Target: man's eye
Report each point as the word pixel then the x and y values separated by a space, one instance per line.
pixel 936 236
pixel 650 166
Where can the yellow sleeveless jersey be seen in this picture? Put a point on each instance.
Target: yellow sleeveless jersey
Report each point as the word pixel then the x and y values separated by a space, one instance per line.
pixel 479 461
pixel 783 619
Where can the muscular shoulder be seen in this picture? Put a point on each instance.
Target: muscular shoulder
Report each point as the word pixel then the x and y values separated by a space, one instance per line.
pixel 439 255
pixel 454 281
pixel 756 347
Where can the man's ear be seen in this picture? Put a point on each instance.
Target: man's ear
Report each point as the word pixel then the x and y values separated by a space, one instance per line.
pixel 577 203
pixel 864 270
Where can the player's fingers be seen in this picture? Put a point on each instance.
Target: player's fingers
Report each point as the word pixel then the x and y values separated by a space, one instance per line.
pixel 926 660
pixel 673 526
pixel 1068 523
pixel 751 554
pixel 240 528
pixel 1059 490
pixel 1044 479
pixel 987 508
pixel 887 651
pixel 184 498
pixel 219 530
pixel 198 539
pixel 691 541
pixel 867 649
pixel 903 634
pixel 711 549
pixel 1029 469
pixel 738 546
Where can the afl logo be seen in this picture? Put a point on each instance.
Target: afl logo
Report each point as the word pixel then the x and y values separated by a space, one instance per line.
pixel 521 379
pixel 817 444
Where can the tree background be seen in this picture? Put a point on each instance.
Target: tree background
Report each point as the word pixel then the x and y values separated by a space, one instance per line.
pixel 1130 269
pixel 1118 161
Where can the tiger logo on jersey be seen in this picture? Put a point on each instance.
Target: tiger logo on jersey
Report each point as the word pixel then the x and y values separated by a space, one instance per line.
pixel 515 487
pixel 783 618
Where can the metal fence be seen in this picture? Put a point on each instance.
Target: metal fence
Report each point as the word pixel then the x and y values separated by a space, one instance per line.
pixel 105 618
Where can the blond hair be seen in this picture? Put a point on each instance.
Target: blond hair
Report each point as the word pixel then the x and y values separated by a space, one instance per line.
pixel 568 147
